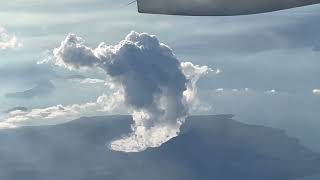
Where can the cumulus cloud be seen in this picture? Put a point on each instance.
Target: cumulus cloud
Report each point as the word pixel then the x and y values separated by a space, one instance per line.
pixel 194 73
pixel 156 88
pixel 5 125
pixel 60 114
pixel 219 90
pixel 7 41
pixel 316 92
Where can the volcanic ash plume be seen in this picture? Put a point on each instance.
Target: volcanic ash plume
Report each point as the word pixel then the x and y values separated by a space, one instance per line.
pixel 157 89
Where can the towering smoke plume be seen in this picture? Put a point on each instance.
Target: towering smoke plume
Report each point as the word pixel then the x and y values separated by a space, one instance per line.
pixel 156 87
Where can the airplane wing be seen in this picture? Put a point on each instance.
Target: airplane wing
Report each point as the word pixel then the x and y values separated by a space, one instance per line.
pixel 218 7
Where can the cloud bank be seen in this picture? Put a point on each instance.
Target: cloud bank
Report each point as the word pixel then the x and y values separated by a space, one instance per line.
pixel 52 114
pixel 18 117
pixel 7 41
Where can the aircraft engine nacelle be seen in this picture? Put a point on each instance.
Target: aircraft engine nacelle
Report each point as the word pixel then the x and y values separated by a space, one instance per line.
pixel 218 7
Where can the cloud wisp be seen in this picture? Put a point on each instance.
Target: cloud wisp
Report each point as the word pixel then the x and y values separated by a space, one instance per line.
pixel 143 74
pixel 60 114
pixel 7 41
pixel 88 81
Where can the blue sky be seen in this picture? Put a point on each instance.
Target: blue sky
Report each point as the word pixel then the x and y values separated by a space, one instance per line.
pixel 269 63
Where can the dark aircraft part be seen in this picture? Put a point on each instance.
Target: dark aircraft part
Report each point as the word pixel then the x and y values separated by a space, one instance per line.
pixel 218 7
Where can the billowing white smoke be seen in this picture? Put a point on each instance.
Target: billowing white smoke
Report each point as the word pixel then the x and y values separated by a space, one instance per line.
pixel 156 87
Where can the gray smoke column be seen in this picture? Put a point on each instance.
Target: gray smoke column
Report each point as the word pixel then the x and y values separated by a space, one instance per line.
pixel 218 7
pixel 157 89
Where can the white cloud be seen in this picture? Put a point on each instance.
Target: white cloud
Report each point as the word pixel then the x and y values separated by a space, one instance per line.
pixel 316 92
pixel 194 73
pixel 50 115
pixel 242 91
pixel 233 91
pixel 60 114
pixel 7 41
pixel 271 92
pixel 88 81
pixel 111 102
pixel 219 90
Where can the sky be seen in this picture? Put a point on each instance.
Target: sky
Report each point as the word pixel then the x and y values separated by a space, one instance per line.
pixel 265 67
